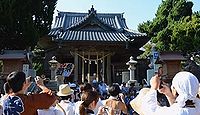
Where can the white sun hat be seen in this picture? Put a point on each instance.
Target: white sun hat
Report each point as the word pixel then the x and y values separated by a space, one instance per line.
pixel 65 90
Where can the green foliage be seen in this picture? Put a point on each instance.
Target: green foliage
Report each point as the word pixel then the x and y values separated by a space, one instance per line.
pixel 175 27
pixel 38 60
pixel 23 22
pixel 186 33
pixel 147 47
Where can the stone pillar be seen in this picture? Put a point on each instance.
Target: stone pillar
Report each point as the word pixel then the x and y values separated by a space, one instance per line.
pixel 108 71
pixel 131 68
pixel 53 67
pixel 76 66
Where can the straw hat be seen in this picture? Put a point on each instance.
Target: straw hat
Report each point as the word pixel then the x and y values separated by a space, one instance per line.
pixel 137 102
pixel 65 90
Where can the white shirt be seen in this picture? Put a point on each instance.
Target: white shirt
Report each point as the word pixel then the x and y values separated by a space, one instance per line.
pixel 68 106
pixel 50 111
pixel 150 107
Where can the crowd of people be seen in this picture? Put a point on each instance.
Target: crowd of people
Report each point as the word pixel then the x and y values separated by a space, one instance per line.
pixel 97 98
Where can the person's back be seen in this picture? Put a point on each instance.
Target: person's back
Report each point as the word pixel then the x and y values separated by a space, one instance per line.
pixel 50 111
pixel 20 103
pixel 116 105
pixel 33 102
pixel 66 106
pixel 114 100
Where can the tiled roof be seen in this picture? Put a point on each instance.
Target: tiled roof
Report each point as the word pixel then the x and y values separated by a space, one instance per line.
pixel 108 27
pixel 68 19
pixel 91 36
pixel 171 56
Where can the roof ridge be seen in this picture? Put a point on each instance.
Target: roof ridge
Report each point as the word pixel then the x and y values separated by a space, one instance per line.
pixel 101 13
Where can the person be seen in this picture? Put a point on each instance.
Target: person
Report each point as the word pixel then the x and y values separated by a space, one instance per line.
pixel 7 91
pixel 182 97
pixel 116 101
pixel 89 103
pixel 86 87
pixel 50 111
pixel 18 103
pixel 124 88
pixel 65 106
pixel 103 89
pixel 136 103
pixel 75 88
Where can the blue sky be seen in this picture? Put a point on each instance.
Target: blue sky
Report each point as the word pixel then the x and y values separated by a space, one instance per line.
pixel 135 11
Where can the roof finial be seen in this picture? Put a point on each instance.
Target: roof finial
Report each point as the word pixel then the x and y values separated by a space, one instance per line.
pixel 92 10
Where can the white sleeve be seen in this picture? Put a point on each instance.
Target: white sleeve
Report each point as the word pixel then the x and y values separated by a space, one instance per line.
pixel 149 103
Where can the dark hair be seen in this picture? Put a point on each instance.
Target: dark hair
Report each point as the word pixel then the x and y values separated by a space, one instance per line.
pixel 87 98
pixel 16 81
pixel 6 87
pixel 65 97
pixel 85 81
pixel 86 87
pixel 114 90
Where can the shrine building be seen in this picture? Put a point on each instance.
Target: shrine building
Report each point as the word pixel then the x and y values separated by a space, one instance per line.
pixel 98 44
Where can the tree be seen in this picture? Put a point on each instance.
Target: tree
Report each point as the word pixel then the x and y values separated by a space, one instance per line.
pixel 186 34
pixel 166 29
pixel 23 22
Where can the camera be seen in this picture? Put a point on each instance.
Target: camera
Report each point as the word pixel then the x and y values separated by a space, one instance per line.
pixel 163 79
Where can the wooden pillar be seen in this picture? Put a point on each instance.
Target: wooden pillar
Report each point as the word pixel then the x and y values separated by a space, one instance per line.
pixel 103 69
pixel 88 74
pixel 113 75
pixel 97 62
pixel 108 71
pixel 83 70
pixel 76 66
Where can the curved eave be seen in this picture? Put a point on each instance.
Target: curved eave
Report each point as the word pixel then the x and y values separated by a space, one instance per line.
pixel 132 33
pixel 90 36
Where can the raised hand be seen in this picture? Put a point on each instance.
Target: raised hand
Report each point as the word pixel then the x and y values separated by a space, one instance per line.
pixel 155 82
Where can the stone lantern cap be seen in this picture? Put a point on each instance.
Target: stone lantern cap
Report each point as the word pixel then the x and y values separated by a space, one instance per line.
pixel 131 61
pixel 53 61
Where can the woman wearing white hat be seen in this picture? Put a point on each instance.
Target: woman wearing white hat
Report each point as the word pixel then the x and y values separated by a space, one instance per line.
pixel 183 96
pixel 65 106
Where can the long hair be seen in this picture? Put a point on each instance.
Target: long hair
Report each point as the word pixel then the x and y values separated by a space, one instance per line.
pixel 87 98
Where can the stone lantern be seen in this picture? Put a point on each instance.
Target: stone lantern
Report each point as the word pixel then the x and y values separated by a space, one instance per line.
pixel 53 67
pixel 132 67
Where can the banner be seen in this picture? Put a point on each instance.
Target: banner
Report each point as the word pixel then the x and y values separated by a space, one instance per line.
pixel 65 69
